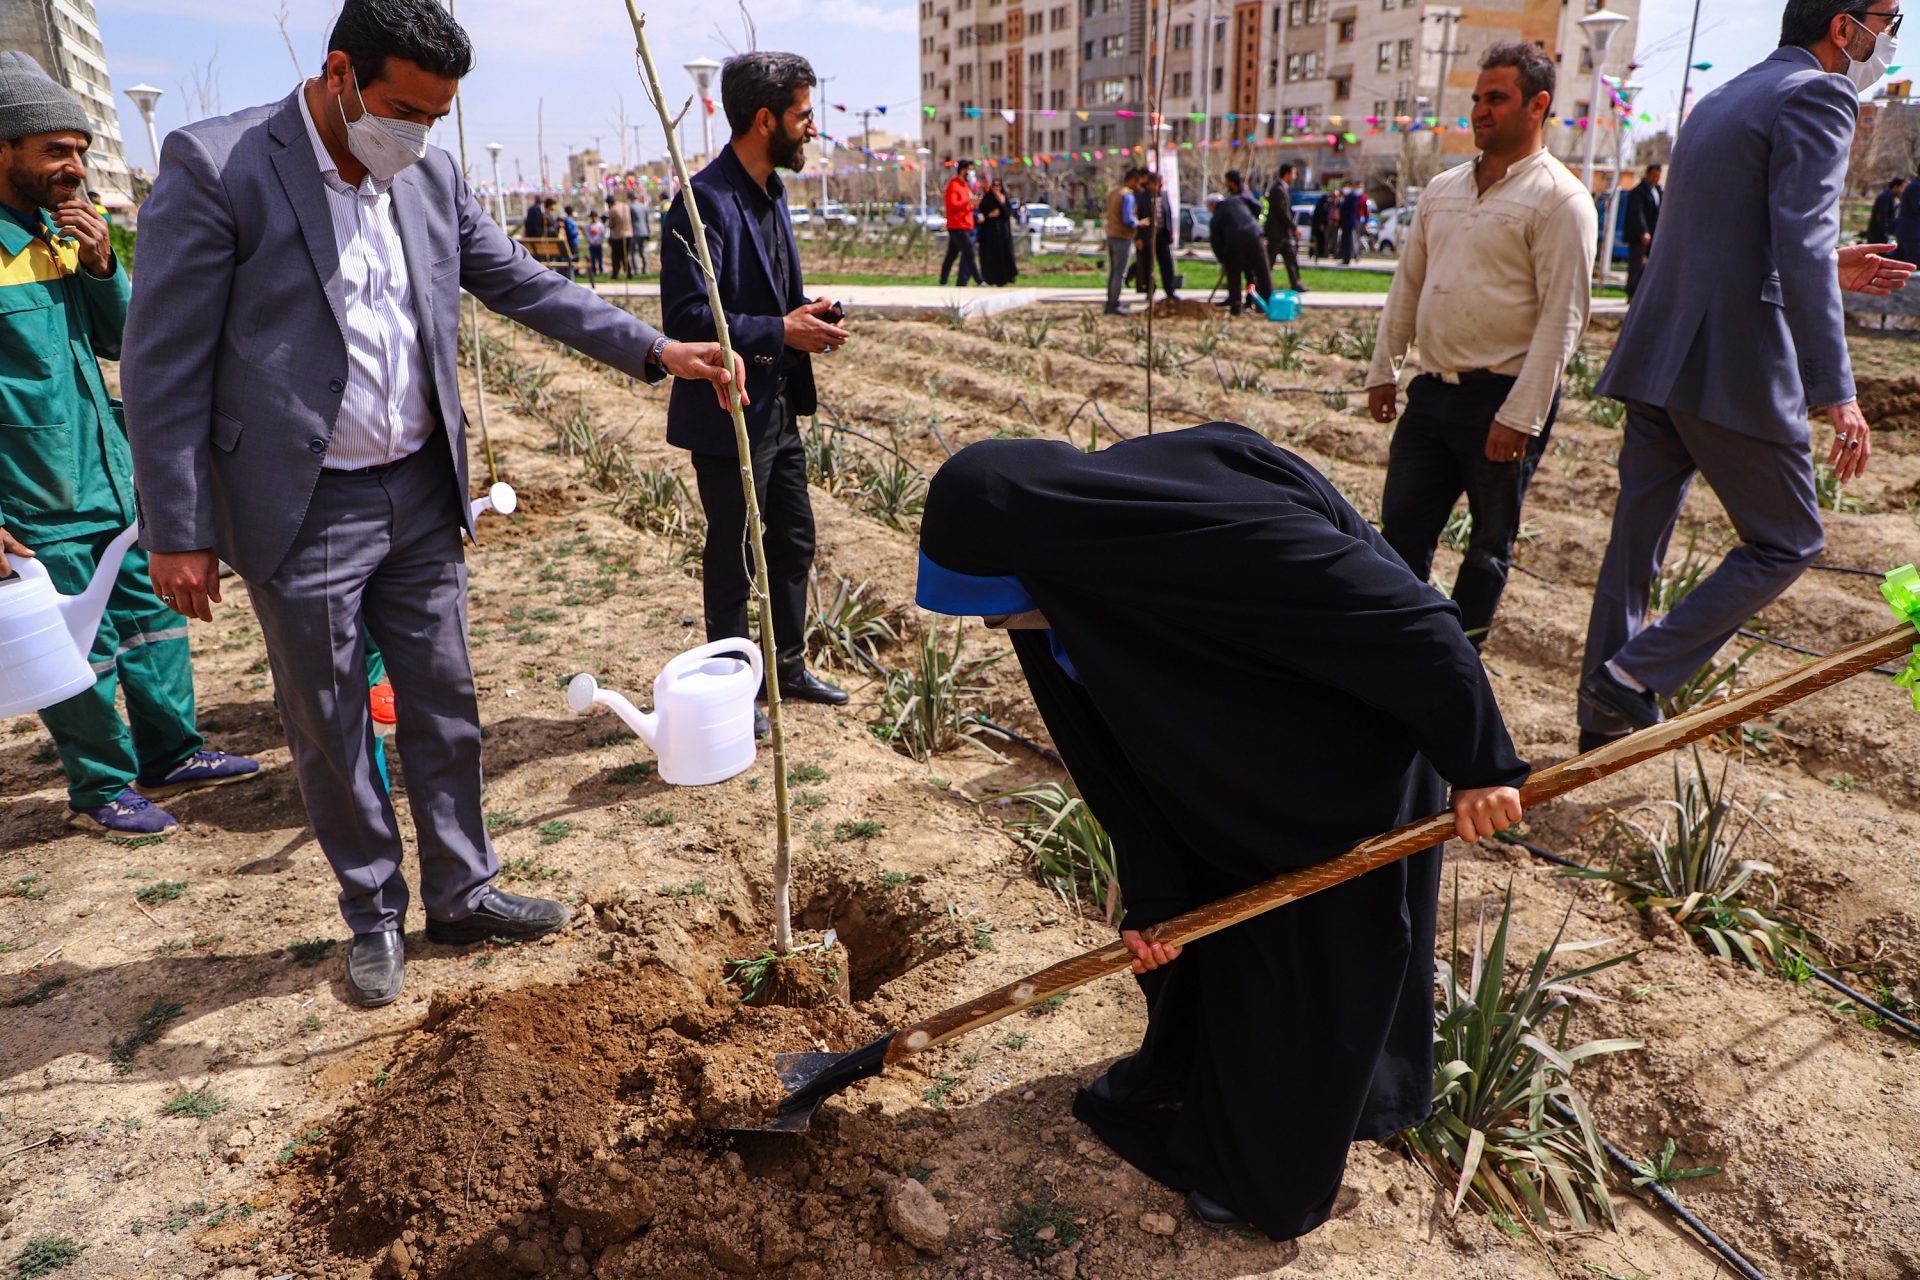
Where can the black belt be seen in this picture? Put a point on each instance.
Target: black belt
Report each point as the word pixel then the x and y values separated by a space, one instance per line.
pixel 377 469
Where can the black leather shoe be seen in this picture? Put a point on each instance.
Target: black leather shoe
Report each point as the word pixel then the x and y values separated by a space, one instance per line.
pixel 762 727
pixel 376 968
pixel 1212 1212
pixel 502 914
pixel 1603 692
pixel 1593 740
pixel 804 686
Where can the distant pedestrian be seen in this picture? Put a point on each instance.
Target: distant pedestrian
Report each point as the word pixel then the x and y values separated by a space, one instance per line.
pixel 619 231
pixel 1906 224
pixel 1282 232
pixel 642 232
pixel 1239 248
pixel 1643 215
pixel 995 217
pixel 1322 223
pixel 959 207
pixel 1353 217
pixel 1886 207
pixel 596 246
pixel 1122 219
pixel 535 225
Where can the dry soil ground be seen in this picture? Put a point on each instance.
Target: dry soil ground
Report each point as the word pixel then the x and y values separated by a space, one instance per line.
pixel 544 1110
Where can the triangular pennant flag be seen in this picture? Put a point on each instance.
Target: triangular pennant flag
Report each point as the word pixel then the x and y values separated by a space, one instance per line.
pixel 1007 116
pixel 1080 115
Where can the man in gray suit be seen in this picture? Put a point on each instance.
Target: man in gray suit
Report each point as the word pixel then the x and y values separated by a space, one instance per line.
pixel 294 408
pixel 1735 334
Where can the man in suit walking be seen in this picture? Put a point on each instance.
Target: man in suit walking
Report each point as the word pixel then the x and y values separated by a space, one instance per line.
pixel 1736 335
pixel 768 98
pixel 294 409
pixel 1283 233
pixel 1643 215
pixel 1886 207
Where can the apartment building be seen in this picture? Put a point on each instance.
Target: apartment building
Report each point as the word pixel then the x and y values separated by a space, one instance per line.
pixel 63 36
pixel 1296 76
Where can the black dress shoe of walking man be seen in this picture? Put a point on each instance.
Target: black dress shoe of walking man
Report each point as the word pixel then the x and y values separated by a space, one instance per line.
pixel 804 686
pixel 1603 692
pixel 1212 1212
pixel 376 968
pixel 504 915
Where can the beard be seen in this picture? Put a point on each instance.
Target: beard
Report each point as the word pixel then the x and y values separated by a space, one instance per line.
pixel 788 151
pixel 46 190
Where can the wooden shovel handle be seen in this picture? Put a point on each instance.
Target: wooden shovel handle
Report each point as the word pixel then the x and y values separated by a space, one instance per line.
pixel 1291 886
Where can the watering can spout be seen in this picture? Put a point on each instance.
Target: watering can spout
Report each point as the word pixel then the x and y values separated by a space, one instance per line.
pixel 82 613
pixel 584 694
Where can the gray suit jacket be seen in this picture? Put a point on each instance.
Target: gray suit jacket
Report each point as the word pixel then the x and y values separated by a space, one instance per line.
pixel 235 356
pixel 1738 318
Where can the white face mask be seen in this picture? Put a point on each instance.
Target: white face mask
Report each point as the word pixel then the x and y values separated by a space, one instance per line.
pixel 384 145
pixel 1867 74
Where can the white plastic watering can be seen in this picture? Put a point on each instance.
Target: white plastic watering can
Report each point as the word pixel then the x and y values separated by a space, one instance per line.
pixel 500 498
pixel 702 721
pixel 45 637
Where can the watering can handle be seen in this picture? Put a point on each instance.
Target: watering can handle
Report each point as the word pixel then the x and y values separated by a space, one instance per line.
pixel 716 649
pixel 29 570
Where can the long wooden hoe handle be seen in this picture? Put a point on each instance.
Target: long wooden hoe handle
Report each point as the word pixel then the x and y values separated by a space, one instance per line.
pixel 1291 886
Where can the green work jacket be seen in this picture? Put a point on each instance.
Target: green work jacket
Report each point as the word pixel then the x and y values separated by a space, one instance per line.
pixel 65 468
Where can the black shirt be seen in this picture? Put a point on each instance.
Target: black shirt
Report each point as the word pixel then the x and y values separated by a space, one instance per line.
pixel 769 204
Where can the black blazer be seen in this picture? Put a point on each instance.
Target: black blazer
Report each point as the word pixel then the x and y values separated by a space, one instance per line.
pixel 756 309
pixel 1643 213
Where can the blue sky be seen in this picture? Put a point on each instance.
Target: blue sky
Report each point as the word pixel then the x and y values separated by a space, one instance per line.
pixel 577 55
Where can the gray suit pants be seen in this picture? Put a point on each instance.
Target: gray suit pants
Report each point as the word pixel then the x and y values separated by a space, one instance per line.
pixel 379 554
pixel 1767 489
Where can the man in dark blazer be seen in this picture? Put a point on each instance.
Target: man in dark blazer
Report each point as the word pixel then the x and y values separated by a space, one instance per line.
pixel 768 98
pixel 1283 233
pixel 293 404
pixel 1736 335
pixel 1643 215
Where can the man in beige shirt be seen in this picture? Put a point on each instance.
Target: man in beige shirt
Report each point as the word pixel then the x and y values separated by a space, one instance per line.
pixel 620 232
pixel 1492 292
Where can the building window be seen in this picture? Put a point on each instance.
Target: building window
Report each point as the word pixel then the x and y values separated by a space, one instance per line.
pixel 1343 30
pixel 1342 88
pixel 1405 54
pixel 1385 62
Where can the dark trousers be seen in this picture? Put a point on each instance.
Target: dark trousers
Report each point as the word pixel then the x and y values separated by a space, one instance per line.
pixel 780 479
pixel 378 556
pixel 1767 488
pixel 1158 253
pixel 1439 452
pixel 637 255
pixel 1636 267
pixel 960 247
pixel 1282 246
pixel 1246 264
pixel 619 256
pixel 596 259
pixel 1348 241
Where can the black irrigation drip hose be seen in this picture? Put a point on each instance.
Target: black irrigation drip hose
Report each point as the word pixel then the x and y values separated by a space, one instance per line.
pixel 1858 997
pixel 1045 753
pixel 1794 648
pixel 1841 568
pixel 1098 411
pixel 1667 1199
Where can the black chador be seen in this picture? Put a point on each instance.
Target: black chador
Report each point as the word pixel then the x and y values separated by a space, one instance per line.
pixel 1243 679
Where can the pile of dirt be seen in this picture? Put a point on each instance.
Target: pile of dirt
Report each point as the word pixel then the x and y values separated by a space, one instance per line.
pixel 551 1129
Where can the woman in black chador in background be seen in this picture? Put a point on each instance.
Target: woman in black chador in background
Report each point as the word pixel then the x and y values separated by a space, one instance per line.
pixel 1243 679
pixel 994 218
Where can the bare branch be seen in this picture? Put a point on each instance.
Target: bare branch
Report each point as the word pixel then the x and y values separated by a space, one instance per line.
pixel 280 20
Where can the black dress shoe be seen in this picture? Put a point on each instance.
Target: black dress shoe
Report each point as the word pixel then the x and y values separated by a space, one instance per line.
pixel 1593 740
pixel 804 686
pixel 1212 1212
pixel 762 727
pixel 502 914
pixel 376 968
pixel 1602 691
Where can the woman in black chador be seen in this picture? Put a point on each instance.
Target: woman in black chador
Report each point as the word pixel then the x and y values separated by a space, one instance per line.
pixel 994 217
pixel 1243 679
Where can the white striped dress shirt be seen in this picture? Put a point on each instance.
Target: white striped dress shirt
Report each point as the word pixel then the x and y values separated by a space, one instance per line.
pixel 386 413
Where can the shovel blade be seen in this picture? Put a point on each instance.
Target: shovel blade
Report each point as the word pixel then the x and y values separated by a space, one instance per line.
pixel 812 1078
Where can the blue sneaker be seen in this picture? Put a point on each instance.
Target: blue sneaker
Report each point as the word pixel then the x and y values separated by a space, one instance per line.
pixel 127 814
pixel 203 769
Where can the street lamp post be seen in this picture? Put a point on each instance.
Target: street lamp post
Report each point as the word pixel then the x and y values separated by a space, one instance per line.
pixel 1599 27
pixel 1628 92
pixel 144 97
pixel 499 194
pixel 703 71
pixel 923 153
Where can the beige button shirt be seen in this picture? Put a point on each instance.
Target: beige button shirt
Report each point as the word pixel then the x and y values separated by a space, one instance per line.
pixel 1495 281
pixel 386 413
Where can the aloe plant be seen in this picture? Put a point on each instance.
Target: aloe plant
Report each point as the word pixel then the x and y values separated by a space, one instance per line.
pixel 1067 846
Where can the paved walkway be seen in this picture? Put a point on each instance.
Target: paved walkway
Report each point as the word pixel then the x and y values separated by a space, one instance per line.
pixel 903 300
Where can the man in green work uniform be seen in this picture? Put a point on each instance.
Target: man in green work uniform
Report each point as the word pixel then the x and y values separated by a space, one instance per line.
pixel 66 473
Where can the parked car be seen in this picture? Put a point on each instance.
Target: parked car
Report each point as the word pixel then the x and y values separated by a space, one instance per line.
pixel 799 215
pixel 931 219
pixel 1391 232
pixel 1194 224
pixel 1042 217
pixel 837 213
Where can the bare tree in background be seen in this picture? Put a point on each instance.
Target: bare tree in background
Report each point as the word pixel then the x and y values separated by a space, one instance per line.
pixel 280 19
pixel 746 22
pixel 203 95
pixel 622 129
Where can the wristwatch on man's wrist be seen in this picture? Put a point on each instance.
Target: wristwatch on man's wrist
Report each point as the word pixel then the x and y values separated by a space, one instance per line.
pixel 659 349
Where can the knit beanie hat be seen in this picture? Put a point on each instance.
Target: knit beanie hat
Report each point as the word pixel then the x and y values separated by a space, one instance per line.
pixel 33 102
